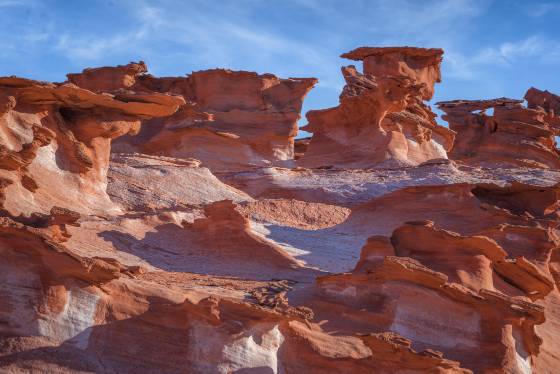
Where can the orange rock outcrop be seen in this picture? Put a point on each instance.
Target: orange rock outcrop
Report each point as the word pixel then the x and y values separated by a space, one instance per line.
pixel 382 118
pixel 171 225
pixel 56 140
pixel 232 120
pixel 513 134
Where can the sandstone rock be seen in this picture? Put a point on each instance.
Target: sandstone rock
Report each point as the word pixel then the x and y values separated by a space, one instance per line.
pixel 543 99
pixel 195 245
pixel 381 119
pixel 232 120
pixel 107 79
pixel 56 135
pixel 513 135
pixel 154 183
pixel 400 282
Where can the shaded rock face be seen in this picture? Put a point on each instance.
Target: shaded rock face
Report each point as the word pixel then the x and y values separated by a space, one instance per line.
pixel 382 119
pixel 134 257
pixel 513 135
pixel 232 120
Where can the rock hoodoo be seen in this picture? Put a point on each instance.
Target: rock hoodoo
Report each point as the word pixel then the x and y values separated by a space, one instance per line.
pixel 56 140
pixel 381 119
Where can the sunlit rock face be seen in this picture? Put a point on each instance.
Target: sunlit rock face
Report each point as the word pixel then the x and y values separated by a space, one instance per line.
pixel 514 134
pixel 232 120
pixel 382 119
pixel 172 225
pixel 55 141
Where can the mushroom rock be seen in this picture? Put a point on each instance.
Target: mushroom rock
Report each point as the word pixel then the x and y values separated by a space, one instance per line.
pixel 512 136
pixel 233 120
pixel 381 119
pixel 422 65
pixel 55 141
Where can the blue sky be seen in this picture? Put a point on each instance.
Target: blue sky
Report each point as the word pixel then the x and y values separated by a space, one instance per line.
pixel 492 48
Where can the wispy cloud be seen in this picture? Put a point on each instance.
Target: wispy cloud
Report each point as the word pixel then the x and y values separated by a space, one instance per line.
pixel 536 48
pixel 538 10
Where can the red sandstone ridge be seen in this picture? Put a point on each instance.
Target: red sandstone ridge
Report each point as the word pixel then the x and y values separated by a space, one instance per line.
pixel 232 120
pixel 512 135
pixel 381 119
pixel 359 250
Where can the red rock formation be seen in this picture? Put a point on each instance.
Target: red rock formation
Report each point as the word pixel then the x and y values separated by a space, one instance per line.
pixel 140 182
pixel 107 79
pixel 300 147
pixel 233 120
pixel 438 268
pixel 543 99
pixel 422 65
pixel 493 274
pixel 86 307
pixel 513 135
pixel 226 232
pixel 386 297
pixel 381 119
pixel 56 139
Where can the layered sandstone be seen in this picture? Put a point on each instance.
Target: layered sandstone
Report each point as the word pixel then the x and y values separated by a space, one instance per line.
pixel 458 248
pixel 56 139
pixel 382 118
pixel 513 134
pixel 232 120
pixel 135 257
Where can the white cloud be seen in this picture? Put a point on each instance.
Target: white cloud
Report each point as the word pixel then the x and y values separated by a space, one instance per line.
pixel 507 54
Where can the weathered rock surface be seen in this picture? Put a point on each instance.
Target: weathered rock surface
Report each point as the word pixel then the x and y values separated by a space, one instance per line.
pixel 209 241
pixel 513 135
pixel 153 183
pixel 382 119
pixel 55 141
pixel 232 120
